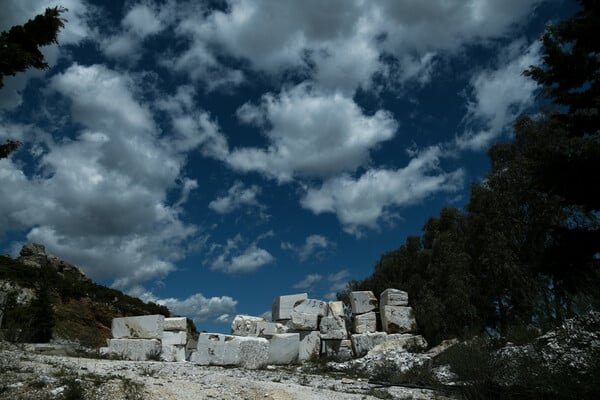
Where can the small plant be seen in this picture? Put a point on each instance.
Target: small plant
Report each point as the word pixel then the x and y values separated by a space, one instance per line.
pixel 73 389
pixel 133 390
pixel 154 355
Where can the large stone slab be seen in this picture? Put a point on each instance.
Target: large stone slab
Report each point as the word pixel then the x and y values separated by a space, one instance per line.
pixel 245 325
pixel 268 329
pixel 363 323
pixel 284 348
pixel 312 306
pixel 362 343
pixel 310 346
pixel 140 327
pixel 400 342
pixel 173 353
pixel 304 322
pixel 283 306
pixel 393 297
pixel 333 327
pixel 175 324
pixel 339 350
pixel 336 308
pixel 135 349
pixel 174 338
pixel 398 319
pixel 218 349
pixel 363 302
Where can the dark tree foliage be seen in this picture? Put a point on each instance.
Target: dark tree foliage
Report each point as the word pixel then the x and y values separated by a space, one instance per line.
pixel 19 50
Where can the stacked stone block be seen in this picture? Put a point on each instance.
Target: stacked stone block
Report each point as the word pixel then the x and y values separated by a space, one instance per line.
pixel 136 338
pixel 174 339
pixel 396 315
pixel 363 315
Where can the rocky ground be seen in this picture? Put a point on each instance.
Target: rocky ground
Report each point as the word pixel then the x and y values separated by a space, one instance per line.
pixel 27 374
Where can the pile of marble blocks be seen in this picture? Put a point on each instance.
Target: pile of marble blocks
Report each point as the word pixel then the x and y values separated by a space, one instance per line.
pixel 149 337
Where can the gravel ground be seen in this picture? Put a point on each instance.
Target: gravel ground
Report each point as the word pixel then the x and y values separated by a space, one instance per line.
pixel 29 375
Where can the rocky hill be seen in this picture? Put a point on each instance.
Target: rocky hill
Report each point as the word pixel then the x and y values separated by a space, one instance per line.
pixel 46 298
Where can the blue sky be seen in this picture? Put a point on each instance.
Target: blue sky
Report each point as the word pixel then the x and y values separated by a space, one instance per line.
pixel 212 155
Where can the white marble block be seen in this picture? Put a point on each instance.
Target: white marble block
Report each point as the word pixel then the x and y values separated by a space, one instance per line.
pixel 173 353
pixel 174 338
pixel 398 319
pixel 336 308
pixel 284 348
pixel 218 349
pixel 339 350
pixel 363 323
pixel 283 306
pixel 333 327
pixel 267 329
pixel 310 346
pixel 363 302
pixel 311 306
pixel 304 322
pixel 135 349
pixel 245 325
pixel 393 297
pixel 362 343
pixel 395 342
pixel 141 327
pixel 175 324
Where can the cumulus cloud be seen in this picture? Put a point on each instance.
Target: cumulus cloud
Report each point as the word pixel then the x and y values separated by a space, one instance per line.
pixel 311 134
pixel 361 202
pixel 316 245
pixel 499 95
pixel 234 257
pixel 237 196
pixel 308 282
pixel 338 282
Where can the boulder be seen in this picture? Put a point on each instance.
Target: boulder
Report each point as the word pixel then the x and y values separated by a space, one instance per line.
pixel 218 349
pixel 339 350
pixel 363 323
pixel 267 329
pixel 363 302
pixel 311 306
pixel 173 353
pixel 304 322
pixel 393 297
pixel 400 342
pixel 135 349
pixel 284 348
pixel 362 343
pixel 283 306
pixel 175 324
pixel 174 338
pixel 398 319
pixel 333 327
pixel 310 346
pixel 141 327
pixel 245 325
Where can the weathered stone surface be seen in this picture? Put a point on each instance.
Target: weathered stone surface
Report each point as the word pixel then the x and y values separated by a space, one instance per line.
pixel 362 343
pixel 312 306
pixel 174 338
pixel 310 346
pixel 245 325
pixel 400 342
pixel 175 324
pixel 336 308
pixel 173 353
pixel 135 349
pixel 267 329
pixel 284 348
pixel 283 306
pixel 333 327
pixel 218 349
pixel 363 323
pixel 339 350
pixel 393 297
pixel 398 319
pixel 141 327
pixel 34 255
pixel 304 322
pixel 363 302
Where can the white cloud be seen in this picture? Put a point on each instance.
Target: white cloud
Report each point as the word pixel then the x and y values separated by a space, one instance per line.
pixel 237 196
pixel 311 134
pixel 364 201
pixel 233 259
pixel 313 245
pixel 224 319
pixel 308 282
pixel 499 95
pixel 339 282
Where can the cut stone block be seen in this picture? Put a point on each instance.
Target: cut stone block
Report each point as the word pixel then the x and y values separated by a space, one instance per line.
pixel 135 349
pixel 363 323
pixel 336 308
pixel 363 302
pixel 174 338
pixel 267 329
pixel 398 319
pixel 283 305
pixel 393 297
pixel 304 322
pixel 406 342
pixel 284 348
pixel 175 324
pixel 173 353
pixel 190 346
pixel 333 327
pixel 245 325
pixel 362 343
pixel 310 346
pixel 339 350
pixel 218 349
pixel 311 306
pixel 141 327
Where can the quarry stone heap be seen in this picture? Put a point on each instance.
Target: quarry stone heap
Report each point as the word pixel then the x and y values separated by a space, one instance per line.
pixel 301 329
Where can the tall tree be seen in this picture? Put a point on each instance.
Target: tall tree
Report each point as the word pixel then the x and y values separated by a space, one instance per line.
pixel 19 50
